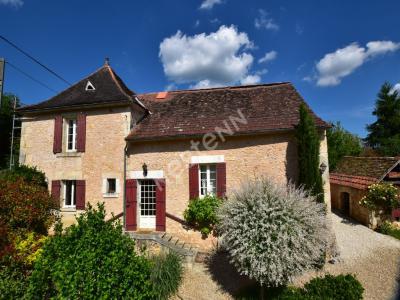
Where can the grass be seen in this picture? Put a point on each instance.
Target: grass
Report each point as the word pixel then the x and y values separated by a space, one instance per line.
pixel 389 229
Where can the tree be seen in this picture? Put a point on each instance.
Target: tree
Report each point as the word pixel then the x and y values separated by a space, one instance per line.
pixel 341 143
pixel 308 143
pixel 6 115
pixel 384 133
pixel 272 232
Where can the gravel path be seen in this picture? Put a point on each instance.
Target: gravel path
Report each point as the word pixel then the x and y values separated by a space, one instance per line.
pixel 373 257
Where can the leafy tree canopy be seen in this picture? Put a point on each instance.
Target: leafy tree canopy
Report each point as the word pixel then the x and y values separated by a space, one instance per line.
pixel 384 133
pixel 341 143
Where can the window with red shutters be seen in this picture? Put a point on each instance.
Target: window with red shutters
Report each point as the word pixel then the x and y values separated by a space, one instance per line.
pixel 80 194
pixel 81 134
pixel 193 181
pixel 131 205
pixel 160 204
pixel 57 142
pixel 221 180
pixel 56 189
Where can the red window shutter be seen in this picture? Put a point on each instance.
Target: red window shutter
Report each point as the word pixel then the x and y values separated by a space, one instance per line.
pixel 193 181
pixel 221 180
pixel 160 205
pixel 80 194
pixel 81 132
pixel 57 143
pixel 131 204
pixel 55 189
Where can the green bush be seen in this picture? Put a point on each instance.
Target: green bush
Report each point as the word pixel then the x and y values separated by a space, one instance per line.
pixel 389 229
pixel 29 174
pixel 26 205
pixel 202 213
pixel 13 280
pixel 341 287
pixel 381 197
pixel 166 274
pixel 90 260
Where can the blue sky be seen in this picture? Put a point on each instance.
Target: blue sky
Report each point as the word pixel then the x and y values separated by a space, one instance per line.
pixel 336 53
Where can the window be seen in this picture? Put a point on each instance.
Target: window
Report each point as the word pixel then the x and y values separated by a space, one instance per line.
pixel 71 135
pixel 69 187
pixel 147 198
pixel 208 180
pixel 111 186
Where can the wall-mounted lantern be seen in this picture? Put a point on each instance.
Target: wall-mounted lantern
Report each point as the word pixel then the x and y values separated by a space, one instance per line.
pixel 322 168
pixel 144 167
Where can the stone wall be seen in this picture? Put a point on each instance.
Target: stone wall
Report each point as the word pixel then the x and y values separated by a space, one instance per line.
pixel 357 212
pixel 105 131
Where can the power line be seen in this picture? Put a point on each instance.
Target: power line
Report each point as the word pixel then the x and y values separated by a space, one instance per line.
pixel 30 77
pixel 34 59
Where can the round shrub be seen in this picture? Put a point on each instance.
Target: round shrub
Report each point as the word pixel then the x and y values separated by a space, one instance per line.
pixel 341 287
pixel 272 232
pixel 26 205
pixel 202 213
pixel 381 197
pixel 29 174
pixel 91 260
pixel 166 274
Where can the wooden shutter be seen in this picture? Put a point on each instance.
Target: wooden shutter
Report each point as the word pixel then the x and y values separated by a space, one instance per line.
pixel 193 181
pixel 57 143
pixel 131 204
pixel 221 180
pixel 81 132
pixel 56 189
pixel 160 205
pixel 80 194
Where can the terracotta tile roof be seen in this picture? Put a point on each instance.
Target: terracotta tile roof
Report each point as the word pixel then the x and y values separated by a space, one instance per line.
pixel 267 107
pixel 375 167
pixel 358 182
pixel 109 88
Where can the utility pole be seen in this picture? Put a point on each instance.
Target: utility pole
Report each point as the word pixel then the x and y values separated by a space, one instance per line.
pixel 2 67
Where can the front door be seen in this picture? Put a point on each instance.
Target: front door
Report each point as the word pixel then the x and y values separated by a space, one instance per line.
pixel 345 203
pixel 147 204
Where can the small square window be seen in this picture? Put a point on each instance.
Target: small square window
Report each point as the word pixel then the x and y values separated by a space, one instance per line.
pixel 111 185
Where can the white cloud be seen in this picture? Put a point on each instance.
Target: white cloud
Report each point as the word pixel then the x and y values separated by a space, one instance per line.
pixel 333 67
pixel 209 4
pixel 251 79
pixel 264 22
pixel 15 3
pixel 207 60
pixel 271 55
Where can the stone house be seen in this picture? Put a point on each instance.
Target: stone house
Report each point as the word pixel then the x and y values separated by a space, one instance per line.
pixel 146 155
pixel 351 179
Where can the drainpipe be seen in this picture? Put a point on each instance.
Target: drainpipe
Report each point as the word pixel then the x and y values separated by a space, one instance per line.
pixel 124 204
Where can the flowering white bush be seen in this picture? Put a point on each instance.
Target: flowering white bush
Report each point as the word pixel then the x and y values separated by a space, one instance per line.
pixel 272 232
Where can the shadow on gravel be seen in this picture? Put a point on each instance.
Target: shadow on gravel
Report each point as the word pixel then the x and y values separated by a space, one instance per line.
pixel 345 219
pixel 225 274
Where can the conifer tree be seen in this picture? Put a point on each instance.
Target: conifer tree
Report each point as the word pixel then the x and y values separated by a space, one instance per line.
pixel 384 133
pixel 308 143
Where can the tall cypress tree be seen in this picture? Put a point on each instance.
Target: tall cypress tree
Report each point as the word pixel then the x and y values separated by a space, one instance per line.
pixel 384 133
pixel 308 143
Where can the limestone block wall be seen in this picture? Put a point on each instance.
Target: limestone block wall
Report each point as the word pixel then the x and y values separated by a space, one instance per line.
pixel 103 157
pixel 272 155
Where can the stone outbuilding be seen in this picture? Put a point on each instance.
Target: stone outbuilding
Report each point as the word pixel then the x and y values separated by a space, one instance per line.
pixel 351 179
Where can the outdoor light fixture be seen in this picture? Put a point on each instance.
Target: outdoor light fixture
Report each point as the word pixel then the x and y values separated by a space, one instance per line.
pixel 322 168
pixel 144 167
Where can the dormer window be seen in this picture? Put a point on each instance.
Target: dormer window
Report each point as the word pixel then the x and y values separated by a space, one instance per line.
pixel 89 86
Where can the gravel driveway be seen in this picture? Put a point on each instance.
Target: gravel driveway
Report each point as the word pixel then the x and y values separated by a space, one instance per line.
pixel 373 257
